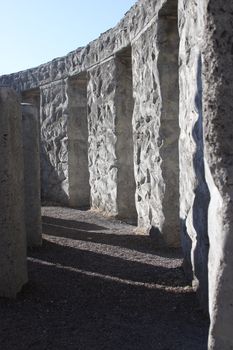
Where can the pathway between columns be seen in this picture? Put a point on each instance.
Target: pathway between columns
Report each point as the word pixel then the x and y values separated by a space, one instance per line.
pixel 96 285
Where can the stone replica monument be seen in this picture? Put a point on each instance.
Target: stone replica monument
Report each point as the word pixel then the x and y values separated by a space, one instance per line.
pixel 138 125
pixel 31 152
pixel 13 268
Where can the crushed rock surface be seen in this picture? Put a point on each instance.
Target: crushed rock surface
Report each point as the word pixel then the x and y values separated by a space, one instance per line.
pixel 95 284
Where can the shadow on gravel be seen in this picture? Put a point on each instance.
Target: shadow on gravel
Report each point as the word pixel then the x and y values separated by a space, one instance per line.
pixel 110 267
pixel 90 233
pixel 81 225
pixel 84 296
pixel 65 307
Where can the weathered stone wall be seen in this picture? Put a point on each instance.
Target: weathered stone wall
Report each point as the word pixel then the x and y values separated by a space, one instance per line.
pixel 128 29
pixel 13 268
pixel 31 155
pixel 59 140
pixel 194 196
pixel 146 121
pixel 167 62
pixel 54 142
pixel 156 128
pixel 101 92
pixel 218 135
pixel 126 186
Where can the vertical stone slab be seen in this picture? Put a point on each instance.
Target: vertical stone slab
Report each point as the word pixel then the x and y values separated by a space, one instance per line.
pixel 168 45
pixel 194 196
pixel 13 268
pixel 77 131
pixel 102 158
pixel 156 130
pixel 126 186
pixel 31 153
pixel 146 121
pixel 54 142
pixel 218 133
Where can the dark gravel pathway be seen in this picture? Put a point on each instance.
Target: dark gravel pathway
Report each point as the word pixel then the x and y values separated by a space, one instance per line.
pixel 94 284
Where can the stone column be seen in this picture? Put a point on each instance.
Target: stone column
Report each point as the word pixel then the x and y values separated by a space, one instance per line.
pixel 218 135
pixel 126 185
pixel 102 158
pixel 77 131
pixel 31 153
pixel 13 267
pixel 194 194
pixel 156 128
pixel 54 142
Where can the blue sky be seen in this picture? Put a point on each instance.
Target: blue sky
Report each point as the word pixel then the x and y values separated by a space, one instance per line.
pixel 33 32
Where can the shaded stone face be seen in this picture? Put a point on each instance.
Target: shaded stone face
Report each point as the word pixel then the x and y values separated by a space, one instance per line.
pixel 156 128
pixel 77 132
pixel 54 142
pixel 194 194
pixel 218 128
pixel 31 154
pixel 126 185
pixel 13 268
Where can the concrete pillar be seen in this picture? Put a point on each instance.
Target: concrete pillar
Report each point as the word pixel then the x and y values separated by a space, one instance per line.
pixel 110 109
pixel 126 185
pixel 194 193
pixel 156 127
pixel 77 131
pixel 168 46
pixel 31 152
pixel 13 268
pixel 54 142
pixel 102 158
pixel 218 137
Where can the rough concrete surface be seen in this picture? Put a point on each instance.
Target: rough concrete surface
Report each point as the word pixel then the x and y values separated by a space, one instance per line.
pixel 157 184
pixel 218 128
pixel 31 154
pixel 54 142
pixel 194 194
pixel 101 92
pixel 126 185
pixel 13 269
pixel 77 132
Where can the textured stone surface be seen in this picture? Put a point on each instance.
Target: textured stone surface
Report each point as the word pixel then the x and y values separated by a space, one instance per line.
pixel 146 121
pixel 54 142
pixel 134 22
pixel 124 103
pixel 156 130
pixel 13 268
pixel 168 44
pixel 139 57
pixel 102 137
pixel 31 154
pixel 194 196
pixel 59 140
pixel 110 108
pixel 218 135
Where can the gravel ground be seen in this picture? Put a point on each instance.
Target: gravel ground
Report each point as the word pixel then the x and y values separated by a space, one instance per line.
pixel 94 284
